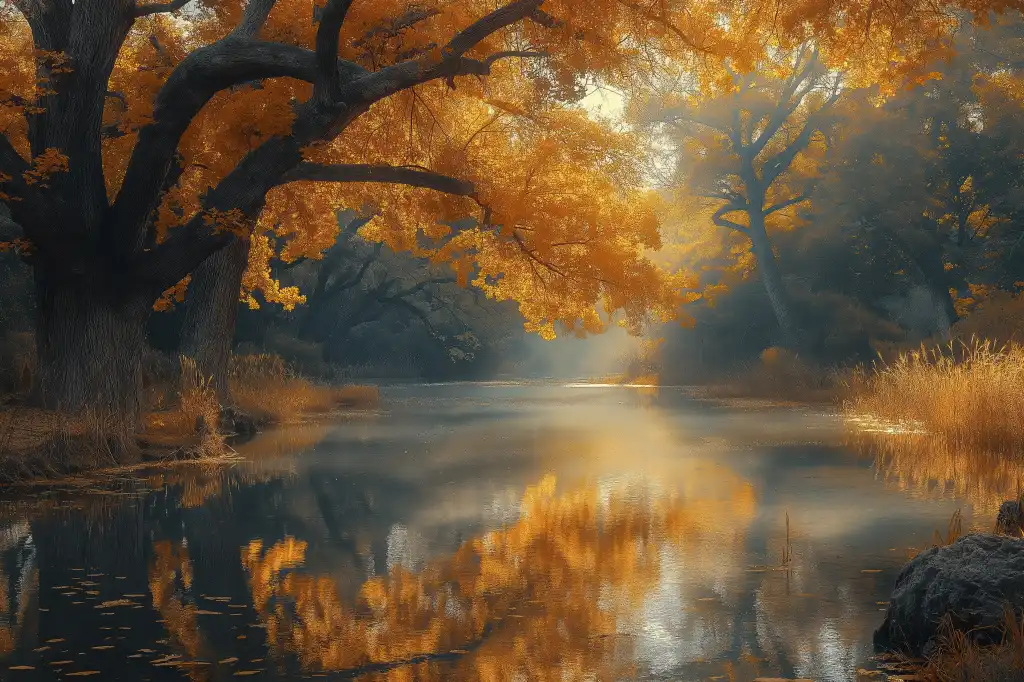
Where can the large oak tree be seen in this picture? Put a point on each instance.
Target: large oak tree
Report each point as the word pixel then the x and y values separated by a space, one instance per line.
pixel 141 140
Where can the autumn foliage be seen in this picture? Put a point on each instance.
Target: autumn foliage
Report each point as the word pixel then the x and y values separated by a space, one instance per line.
pixel 142 138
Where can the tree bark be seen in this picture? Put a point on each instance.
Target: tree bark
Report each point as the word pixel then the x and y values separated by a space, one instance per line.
pixel 90 340
pixel 211 312
pixel 772 279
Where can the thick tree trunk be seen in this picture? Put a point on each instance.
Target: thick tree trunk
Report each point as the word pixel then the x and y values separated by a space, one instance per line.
pixel 772 279
pixel 90 342
pixel 211 312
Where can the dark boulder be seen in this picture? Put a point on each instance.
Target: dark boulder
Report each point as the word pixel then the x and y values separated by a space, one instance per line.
pixel 972 581
pixel 234 421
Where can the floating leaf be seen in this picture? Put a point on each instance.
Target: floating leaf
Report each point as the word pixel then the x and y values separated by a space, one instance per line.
pixel 84 673
pixel 61 662
pixel 103 647
pixel 115 603
pixel 870 570
pixel 135 596
pixel 23 667
pixel 54 641
pixel 42 648
pixel 241 673
pixel 226 661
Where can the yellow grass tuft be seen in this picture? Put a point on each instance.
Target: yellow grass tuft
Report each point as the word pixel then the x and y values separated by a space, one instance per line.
pixel 265 386
pixel 968 393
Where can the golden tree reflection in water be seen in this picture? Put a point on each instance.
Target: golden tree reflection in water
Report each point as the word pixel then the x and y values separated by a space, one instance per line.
pixel 541 599
pixel 170 583
pixel 931 466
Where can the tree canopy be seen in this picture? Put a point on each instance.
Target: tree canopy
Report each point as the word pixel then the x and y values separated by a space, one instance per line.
pixel 138 139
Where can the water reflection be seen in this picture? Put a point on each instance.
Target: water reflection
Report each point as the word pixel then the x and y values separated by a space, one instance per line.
pixel 929 466
pixel 559 594
pixel 476 533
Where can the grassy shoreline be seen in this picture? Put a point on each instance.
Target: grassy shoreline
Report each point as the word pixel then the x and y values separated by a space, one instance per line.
pixel 184 422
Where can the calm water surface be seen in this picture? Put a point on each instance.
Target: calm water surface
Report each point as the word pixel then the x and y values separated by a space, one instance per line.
pixel 476 532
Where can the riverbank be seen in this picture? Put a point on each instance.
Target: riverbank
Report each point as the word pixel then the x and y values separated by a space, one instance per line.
pixel 184 422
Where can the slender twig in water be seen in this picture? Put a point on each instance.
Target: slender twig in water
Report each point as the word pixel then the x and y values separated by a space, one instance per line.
pixel 787 550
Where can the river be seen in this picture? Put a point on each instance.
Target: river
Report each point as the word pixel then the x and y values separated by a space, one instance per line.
pixel 476 532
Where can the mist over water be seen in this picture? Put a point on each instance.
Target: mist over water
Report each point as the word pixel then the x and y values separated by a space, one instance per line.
pixel 478 532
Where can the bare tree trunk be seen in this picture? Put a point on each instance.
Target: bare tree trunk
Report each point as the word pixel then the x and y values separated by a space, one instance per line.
pixel 772 279
pixel 90 340
pixel 211 312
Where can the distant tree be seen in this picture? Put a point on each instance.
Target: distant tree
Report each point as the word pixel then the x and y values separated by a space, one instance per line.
pixel 751 154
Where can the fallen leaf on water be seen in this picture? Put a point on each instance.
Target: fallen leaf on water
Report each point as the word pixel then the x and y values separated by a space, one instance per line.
pixel 135 656
pixel 61 587
pixel 103 647
pixel 115 603
pixel 148 651
pixel 202 612
pixel 42 648
pixel 237 606
pixel 134 596
pixel 708 599
pixel 241 637
pixel 54 641
pixel 882 603
pixel 84 673
pixel 68 594
pixel 124 627
pixel 120 577
pixel 256 660
pixel 870 570
pixel 23 667
pixel 92 593
pixel 78 602
pixel 241 673
pixel 87 583
pixel 61 662
pixel 228 660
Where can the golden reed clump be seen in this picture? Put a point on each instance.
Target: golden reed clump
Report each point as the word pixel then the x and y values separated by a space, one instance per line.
pixel 970 394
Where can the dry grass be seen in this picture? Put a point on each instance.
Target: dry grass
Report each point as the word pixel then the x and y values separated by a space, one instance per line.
pixel 42 444
pixel 265 386
pixel 182 422
pixel 968 393
pixel 782 375
pixel 960 659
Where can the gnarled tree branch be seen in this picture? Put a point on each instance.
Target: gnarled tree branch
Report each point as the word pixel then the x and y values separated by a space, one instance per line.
pixel 396 175
pixel 719 218
pixel 159 7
